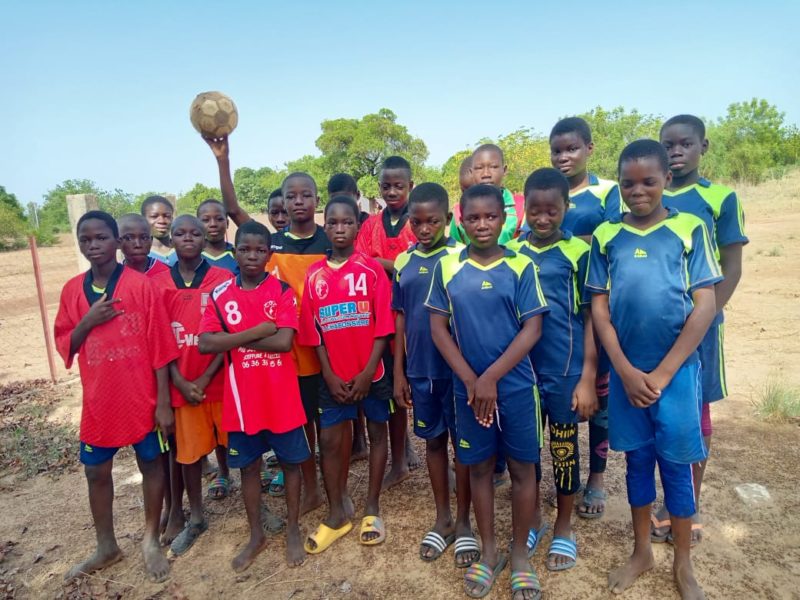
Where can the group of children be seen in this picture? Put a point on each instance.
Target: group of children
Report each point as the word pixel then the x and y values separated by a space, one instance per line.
pixel 562 307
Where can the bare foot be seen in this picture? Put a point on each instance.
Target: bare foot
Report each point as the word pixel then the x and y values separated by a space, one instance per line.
pixel 396 475
pixel 155 563
pixel 99 560
pixel 248 554
pixel 349 509
pixel 623 577
pixel 311 501
pixel 295 553
pixel 412 458
pixel 687 585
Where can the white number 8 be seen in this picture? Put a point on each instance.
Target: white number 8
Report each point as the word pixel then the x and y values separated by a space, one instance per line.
pixel 232 314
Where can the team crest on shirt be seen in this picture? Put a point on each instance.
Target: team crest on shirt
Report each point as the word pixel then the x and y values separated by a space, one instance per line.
pixel 270 309
pixel 321 289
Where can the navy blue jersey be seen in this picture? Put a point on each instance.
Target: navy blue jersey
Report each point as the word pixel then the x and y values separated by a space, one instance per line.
pixel 226 260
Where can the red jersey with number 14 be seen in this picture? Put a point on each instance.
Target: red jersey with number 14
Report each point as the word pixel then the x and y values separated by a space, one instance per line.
pixel 261 389
pixel 345 309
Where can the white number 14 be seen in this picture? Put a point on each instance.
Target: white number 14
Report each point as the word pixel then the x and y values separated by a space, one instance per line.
pixel 356 285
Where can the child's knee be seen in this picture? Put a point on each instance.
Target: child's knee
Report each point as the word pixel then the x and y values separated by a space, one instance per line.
pixel 329 439
pixel 97 474
pixel 377 432
pixel 483 469
pixel 290 469
pixel 521 473
pixel 676 479
pixel 640 475
pixel 249 469
pixel 564 450
pixel 437 444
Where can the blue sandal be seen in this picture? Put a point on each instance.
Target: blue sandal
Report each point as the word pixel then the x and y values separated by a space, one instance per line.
pixel 277 487
pixel 526 580
pixel 561 546
pixel 534 537
pixel 483 575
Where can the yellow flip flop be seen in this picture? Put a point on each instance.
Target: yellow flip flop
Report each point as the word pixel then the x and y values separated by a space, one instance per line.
pixel 372 524
pixel 324 536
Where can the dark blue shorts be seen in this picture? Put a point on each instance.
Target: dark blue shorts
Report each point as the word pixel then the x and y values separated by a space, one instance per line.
pixel 378 405
pixel 672 423
pixel 291 447
pixel 556 392
pixel 712 359
pixel 516 431
pixel 434 407
pixel 150 448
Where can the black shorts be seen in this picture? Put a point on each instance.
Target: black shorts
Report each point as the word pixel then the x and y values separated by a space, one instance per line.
pixel 309 394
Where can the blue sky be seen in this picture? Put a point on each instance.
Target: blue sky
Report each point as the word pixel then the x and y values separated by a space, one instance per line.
pixel 101 90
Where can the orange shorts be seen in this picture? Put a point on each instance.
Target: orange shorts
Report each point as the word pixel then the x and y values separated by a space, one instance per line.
pixel 198 431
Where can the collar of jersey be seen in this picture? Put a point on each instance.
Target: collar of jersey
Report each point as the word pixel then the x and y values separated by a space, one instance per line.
pixel 464 257
pixel 293 236
pixel 449 243
pixel 671 212
pixel 239 282
pixel 593 180
pixel 702 182
pixel 199 274
pixel 566 235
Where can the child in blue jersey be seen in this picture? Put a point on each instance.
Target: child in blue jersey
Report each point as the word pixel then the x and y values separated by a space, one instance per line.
pixel 592 201
pixel 486 314
pixel 566 357
pixel 422 379
pixel 684 139
pixel 218 251
pixel 651 277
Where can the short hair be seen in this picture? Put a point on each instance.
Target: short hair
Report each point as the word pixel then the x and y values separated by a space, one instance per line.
pixel 100 216
pixel 186 217
pixel 396 163
pixel 482 190
pixel 276 193
pixel 252 227
pixel 572 125
pixel 342 183
pixel 465 166
pixel 547 179
pixel 297 175
pixel 430 192
pixel 489 148
pixel 640 149
pixel 215 203
pixel 136 217
pixel 695 123
pixel 152 200
pixel 346 200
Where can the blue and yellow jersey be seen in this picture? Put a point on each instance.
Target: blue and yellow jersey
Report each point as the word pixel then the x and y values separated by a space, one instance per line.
pixel 561 268
pixel 487 306
pixel 594 204
pixel 718 207
pixel 169 259
pixel 226 260
pixel 650 277
pixel 413 272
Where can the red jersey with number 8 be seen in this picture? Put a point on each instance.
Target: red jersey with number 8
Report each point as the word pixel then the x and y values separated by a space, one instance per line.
pixel 261 389
pixel 345 308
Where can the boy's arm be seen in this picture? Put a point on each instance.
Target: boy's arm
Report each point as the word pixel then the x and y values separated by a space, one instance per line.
pixel 190 392
pixel 219 341
pixel 440 332
pixel 165 418
pixel 730 259
pixel 388 265
pixel 221 150
pixel 336 386
pixel 280 341
pixel 584 399
pixel 359 387
pixel 633 380
pixel 100 312
pixel 402 392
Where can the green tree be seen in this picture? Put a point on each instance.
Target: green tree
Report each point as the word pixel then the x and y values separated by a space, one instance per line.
pixel 359 146
pixel 13 227
pixel 450 170
pixel 53 215
pixel 525 151
pixel 117 202
pixel 10 201
pixel 188 202
pixel 253 186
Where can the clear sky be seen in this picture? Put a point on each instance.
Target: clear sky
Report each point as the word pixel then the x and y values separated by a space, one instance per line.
pixel 101 90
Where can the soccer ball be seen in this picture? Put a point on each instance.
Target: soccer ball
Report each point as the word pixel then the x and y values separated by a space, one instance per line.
pixel 213 114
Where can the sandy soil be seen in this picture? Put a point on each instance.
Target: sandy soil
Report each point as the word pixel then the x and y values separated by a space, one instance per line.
pixel 746 553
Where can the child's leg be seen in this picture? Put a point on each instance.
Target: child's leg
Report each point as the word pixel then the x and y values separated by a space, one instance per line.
pixel 360 450
pixel 295 554
pixel 176 520
pixel 221 452
pixel 481 480
pixel 566 474
pixel 594 502
pixel 676 479
pixel 101 498
pixel 523 506
pixel 162 526
pixel 378 453
pixel 193 479
pixel 641 484
pixel 155 562
pixel 398 432
pixel 309 393
pixel 251 495
pixel 332 451
pixel 437 460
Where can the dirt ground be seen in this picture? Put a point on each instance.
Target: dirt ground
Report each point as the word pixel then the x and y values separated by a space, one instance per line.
pixel 45 525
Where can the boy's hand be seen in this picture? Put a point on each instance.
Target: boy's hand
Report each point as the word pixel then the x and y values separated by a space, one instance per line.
pixel 584 398
pixel 638 388
pixel 402 391
pixel 102 311
pixel 264 330
pixel 199 386
pixel 219 146
pixel 186 388
pixel 359 386
pixel 165 419
pixel 658 380
pixel 485 400
pixel 338 388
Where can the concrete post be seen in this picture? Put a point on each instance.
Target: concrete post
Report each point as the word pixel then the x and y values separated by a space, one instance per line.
pixel 77 206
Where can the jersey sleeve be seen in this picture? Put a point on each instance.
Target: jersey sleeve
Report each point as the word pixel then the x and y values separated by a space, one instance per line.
pixel 702 265
pixel 364 239
pixel 530 299
pixel 308 335
pixel 397 291
pixel 730 223
pixel 613 205
pixel 597 275
pixel 163 347
pixel 64 326
pixel 384 320
pixel 286 315
pixel 583 267
pixel 437 301
pixel 210 322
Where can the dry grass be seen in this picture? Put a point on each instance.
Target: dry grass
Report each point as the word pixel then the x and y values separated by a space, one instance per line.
pixel 777 401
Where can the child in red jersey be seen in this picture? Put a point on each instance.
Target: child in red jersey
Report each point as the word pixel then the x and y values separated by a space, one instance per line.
pixel 253 319
pixel 109 317
pixel 346 316
pixel 197 381
pixel 135 244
